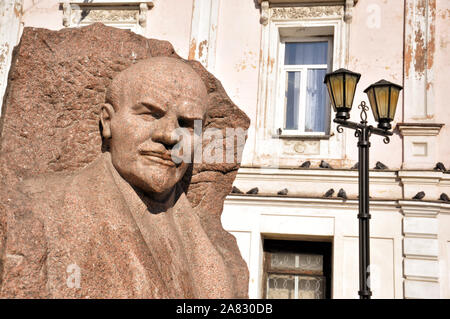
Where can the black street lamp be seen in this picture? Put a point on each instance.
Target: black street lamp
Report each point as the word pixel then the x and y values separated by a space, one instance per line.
pixel 383 98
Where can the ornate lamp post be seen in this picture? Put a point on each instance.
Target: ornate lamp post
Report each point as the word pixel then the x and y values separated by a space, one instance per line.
pixel 383 98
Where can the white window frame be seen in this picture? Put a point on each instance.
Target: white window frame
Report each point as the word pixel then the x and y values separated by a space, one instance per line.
pixel 269 114
pixel 303 69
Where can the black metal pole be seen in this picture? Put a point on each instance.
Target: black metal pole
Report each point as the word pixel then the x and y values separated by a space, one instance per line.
pixel 363 132
pixel 364 216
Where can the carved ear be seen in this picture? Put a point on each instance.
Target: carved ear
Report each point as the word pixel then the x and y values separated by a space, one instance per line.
pixel 106 114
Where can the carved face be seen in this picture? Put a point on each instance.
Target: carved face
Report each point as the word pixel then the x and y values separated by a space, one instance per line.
pixel 150 100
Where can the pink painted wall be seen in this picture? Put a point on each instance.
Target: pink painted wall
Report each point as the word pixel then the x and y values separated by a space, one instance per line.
pixel 167 20
pixel 238 51
pixel 376 42
pixel 171 21
pixel 376 51
pixel 442 78
pixel 42 14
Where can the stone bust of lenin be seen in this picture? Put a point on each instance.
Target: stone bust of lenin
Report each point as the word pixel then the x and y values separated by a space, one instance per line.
pixel 123 222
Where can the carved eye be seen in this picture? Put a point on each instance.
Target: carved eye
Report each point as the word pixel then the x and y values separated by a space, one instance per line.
pixel 149 112
pixel 185 123
pixel 156 114
pixel 148 116
pixel 151 115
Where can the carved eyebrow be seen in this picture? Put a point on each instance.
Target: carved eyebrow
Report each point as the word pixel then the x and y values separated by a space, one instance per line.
pixel 153 107
pixel 188 121
pixel 190 117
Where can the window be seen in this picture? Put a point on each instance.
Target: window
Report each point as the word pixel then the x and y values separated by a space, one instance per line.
pixel 303 97
pixel 297 270
pixel 297 22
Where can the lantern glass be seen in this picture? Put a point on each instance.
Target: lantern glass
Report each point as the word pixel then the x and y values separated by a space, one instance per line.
pixel 382 100
pixel 341 85
pixel 383 97
pixel 337 86
pixel 330 94
pixel 395 92
pixel 350 88
pixel 373 104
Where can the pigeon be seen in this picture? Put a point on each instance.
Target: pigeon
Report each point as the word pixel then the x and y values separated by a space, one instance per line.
pixel 253 191
pixel 329 193
pixel 444 197
pixel 306 164
pixel 236 190
pixel 439 167
pixel 380 165
pixel 419 195
pixel 342 194
pixel 356 166
pixel 324 164
pixel 284 191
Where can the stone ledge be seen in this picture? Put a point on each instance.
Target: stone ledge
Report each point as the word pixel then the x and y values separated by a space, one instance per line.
pixel 314 182
pixel 418 208
pixel 316 202
pixel 419 129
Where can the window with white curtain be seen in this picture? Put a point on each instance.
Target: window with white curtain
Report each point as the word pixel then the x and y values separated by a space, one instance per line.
pixel 302 93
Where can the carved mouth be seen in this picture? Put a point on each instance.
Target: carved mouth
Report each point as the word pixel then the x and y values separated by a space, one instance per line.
pixel 160 158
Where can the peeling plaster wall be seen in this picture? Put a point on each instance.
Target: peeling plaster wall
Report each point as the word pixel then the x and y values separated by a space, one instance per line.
pixel 442 78
pixel 238 56
pixel 376 51
pixel 238 49
pixel 42 14
pixel 171 20
pixel 377 43
pixel 420 34
pixel 167 20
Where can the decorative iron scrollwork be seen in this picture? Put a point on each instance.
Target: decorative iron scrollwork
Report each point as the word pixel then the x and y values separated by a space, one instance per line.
pixel 364 109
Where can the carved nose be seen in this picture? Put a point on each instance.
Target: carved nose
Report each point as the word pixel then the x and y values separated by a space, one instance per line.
pixel 165 132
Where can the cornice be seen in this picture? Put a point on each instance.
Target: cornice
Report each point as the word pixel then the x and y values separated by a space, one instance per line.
pixel 414 208
pixel 306 2
pixel 419 129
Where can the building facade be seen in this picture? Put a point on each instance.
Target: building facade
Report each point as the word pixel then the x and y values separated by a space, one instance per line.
pixel 271 57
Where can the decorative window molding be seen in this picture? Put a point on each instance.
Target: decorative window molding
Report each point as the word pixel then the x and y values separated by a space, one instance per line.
pixel 116 13
pixel 280 22
pixel 297 13
pixel 346 5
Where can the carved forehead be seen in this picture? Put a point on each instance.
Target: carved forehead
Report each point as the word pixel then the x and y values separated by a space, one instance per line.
pixel 170 76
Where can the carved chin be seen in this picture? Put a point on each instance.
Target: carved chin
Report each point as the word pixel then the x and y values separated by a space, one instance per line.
pixel 154 183
pixel 151 177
